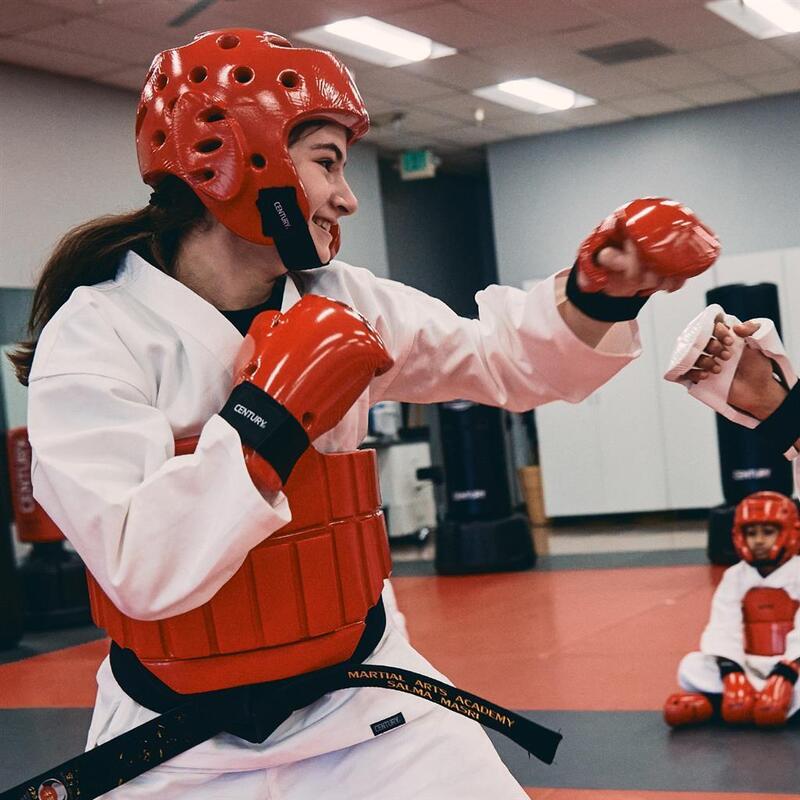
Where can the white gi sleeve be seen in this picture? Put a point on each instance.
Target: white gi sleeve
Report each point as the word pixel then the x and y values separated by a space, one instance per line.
pixel 518 354
pixel 161 534
pixel 724 634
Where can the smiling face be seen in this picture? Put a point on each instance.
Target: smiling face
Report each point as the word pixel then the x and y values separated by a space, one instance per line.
pixel 760 538
pixel 319 156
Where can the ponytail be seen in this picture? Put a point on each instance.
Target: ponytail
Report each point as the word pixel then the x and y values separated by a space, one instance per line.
pixel 92 252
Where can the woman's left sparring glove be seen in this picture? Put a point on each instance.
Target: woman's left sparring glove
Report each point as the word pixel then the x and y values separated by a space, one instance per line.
pixel 297 375
pixel 670 241
pixel 775 699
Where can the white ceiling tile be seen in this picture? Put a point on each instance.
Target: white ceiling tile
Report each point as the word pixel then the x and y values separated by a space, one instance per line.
pixel 590 115
pixel 87 7
pixel 20 15
pixel 789 45
pixel 377 105
pixel 473 135
pixel 150 15
pixel 460 71
pixel 283 18
pixel 375 8
pixel 746 58
pixel 604 83
pixel 421 121
pixel 656 103
pixel 775 82
pixel 101 40
pixel 627 9
pixel 685 28
pixel 670 72
pixel 130 78
pixel 531 124
pixel 539 16
pixel 456 26
pixel 393 84
pixel 463 107
pixel 535 57
pixel 707 94
pixel 597 36
pixel 51 59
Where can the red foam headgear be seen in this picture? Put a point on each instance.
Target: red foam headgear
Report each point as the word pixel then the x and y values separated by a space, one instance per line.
pixel 217 114
pixel 768 508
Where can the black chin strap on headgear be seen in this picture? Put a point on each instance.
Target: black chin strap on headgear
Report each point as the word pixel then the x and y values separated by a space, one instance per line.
pixel 283 221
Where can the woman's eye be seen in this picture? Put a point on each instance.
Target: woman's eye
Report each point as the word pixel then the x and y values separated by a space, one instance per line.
pixel 327 163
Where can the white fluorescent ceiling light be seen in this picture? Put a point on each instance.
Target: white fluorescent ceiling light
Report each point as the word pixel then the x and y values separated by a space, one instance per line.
pixel 763 19
pixel 534 95
pixel 377 42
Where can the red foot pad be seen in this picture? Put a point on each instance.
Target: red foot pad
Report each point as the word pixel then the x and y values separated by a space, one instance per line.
pixel 687 708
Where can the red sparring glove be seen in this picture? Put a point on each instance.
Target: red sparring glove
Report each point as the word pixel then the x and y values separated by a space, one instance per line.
pixel 775 699
pixel 738 698
pixel 669 238
pixel 297 375
pixel 687 708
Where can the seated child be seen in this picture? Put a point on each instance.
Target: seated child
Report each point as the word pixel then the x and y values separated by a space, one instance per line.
pixel 747 667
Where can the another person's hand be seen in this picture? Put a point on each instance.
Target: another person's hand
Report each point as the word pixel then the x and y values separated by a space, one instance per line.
pixel 753 389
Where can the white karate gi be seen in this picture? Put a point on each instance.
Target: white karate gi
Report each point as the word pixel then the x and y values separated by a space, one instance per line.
pixel 126 367
pixel 724 634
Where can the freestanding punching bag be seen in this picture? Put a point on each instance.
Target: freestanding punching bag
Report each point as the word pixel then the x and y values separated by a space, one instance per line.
pixel 53 579
pixel 747 463
pixel 11 624
pixel 479 532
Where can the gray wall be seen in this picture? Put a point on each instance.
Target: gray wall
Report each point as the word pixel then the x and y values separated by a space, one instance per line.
pixel 737 165
pixel 67 154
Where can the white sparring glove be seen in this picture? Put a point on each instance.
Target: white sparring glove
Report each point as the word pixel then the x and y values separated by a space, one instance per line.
pixel 714 390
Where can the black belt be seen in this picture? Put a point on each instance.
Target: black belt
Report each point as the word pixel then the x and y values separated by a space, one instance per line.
pixel 254 712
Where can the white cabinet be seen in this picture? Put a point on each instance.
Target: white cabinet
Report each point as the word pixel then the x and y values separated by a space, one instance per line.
pixel 640 443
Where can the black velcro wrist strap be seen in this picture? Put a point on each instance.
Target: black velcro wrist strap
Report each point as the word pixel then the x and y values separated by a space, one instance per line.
pixel 781 428
pixel 785 671
pixel 601 306
pixel 265 425
pixel 727 666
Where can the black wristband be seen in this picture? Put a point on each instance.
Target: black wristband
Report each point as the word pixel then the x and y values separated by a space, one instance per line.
pixel 601 306
pixel 785 671
pixel 780 428
pixel 265 425
pixel 727 666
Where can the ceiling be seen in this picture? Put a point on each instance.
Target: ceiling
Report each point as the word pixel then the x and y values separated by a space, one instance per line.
pixel 429 104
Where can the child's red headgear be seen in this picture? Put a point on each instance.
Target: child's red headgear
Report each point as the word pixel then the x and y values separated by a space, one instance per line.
pixel 772 508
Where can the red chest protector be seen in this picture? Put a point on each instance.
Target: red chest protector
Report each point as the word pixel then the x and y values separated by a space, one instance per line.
pixel 297 603
pixel 768 618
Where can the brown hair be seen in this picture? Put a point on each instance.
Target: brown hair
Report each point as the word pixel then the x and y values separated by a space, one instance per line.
pixel 91 253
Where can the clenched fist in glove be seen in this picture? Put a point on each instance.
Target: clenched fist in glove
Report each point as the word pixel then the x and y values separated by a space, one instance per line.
pixel 775 699
pixel 649 244
pixel 738 695
pixel 297 375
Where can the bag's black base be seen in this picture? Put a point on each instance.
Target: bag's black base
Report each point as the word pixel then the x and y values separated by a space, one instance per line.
pixel 720 548
pixel 497 545
pixel 54 588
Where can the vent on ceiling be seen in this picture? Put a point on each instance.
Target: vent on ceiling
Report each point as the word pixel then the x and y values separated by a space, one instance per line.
pixel 622 52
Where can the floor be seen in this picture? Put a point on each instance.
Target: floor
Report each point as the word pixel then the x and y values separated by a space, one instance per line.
pixel 587 642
